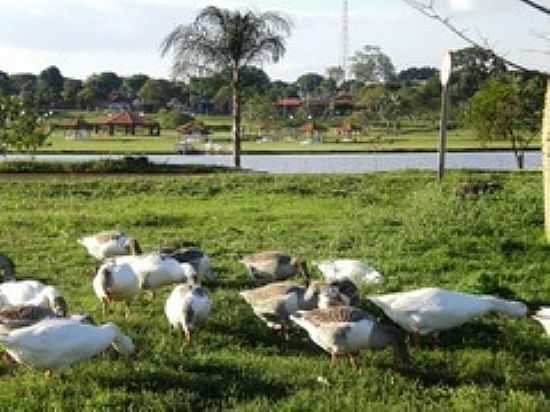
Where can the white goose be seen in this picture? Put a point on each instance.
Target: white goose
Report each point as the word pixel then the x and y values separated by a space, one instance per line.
pixel 429 310
pixel 543 316
pixel 156 270
pixel 354 270
pixel 116 282
pixel 111 243
pixel 345 330
pixel 195 257
pixel 56 344
pixel 32 292
pixel 187 307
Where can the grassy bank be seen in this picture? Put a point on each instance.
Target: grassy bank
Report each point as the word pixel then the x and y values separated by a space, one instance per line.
pixel 416 232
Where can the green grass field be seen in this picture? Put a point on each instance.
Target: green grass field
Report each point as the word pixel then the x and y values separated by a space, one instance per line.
pixel 417 138
pixel 414 231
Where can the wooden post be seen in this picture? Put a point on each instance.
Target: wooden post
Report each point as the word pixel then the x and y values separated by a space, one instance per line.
pixel 546 160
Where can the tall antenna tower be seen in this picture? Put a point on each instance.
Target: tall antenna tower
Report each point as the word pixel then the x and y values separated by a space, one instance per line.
pixel 344 51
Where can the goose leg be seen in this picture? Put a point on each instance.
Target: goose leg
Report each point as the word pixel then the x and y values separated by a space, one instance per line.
pixel 126 310
pixel 353 360
pixel 333 357
pixel 105 306
pixel 188 335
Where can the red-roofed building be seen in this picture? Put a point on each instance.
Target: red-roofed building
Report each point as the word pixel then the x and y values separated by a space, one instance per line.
pixel 129 121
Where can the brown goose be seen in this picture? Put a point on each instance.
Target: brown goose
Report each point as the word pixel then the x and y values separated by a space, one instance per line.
pixel 272 265
pixel 110 243
pixel 345 330
pixel 275 302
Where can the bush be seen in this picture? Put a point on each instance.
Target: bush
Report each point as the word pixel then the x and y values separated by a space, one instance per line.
pixel 170 119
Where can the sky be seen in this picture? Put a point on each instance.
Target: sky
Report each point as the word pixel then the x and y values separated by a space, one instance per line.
pixel 83 37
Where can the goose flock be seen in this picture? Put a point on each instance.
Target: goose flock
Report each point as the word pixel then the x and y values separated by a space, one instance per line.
pixel 38 330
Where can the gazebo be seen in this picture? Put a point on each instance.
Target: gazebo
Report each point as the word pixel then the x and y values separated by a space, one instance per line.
pixel 78 127
pixel 129 121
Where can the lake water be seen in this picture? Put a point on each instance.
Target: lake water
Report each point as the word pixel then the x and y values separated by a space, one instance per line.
pixel 332 163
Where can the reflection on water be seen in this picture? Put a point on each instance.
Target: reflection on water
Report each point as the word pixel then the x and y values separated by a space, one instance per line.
pixel 333 163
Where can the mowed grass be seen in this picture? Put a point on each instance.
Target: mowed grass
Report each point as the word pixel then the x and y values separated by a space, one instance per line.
pixel 406 139
pixel 413 230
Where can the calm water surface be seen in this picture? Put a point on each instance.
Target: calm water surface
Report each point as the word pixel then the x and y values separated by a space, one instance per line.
pixel 332 163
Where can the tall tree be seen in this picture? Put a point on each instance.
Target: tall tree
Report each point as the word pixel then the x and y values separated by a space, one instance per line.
pixel 225 39
pixel 5 83
pixel 51 80
pixel 309 83
pixel 71 88
pixel 133 84
pixel 370 64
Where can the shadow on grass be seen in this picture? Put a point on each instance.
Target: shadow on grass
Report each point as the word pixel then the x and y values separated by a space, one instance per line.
pixel 210 384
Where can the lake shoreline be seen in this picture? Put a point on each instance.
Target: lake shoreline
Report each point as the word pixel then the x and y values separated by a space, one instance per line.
pixel 259 152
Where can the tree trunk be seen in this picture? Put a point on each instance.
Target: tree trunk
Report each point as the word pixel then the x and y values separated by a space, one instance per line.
pixel 520 159
pixel 546 160
pixel 236 83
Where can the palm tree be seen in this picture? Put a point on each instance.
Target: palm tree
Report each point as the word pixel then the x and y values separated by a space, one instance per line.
pixel 221 39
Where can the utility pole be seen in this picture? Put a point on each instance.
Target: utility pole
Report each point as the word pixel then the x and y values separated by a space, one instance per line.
pixel 446 69
pixel 345 40
pixel 546 160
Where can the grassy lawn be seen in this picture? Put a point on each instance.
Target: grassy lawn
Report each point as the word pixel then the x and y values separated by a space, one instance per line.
pixel 409 138
pixel 416 232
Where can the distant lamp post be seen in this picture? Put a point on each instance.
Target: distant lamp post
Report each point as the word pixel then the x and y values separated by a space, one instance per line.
pixel 445 75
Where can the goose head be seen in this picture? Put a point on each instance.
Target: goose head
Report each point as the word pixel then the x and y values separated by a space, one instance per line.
pixel 300 266
pixel 51 298
pixel 7 267
pixel 121 343
pixel 133 246
pixel 330 296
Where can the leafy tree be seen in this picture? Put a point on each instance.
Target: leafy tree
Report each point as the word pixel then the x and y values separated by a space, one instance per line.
pixel 5 84
pixel 133 84
pixel 328 87
pixel 87 97
pixel 23 82
pixel 280 89
pixel 103 84
pixel 260 111
pixel 503 110
pixel 51 81
pixel 371 65
pixel 223 39
pixel 71 88
pixel 471 67
pixel 309 83
pixel 170 119
pixel 21 127
pixel 415 74
pixel 157 92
